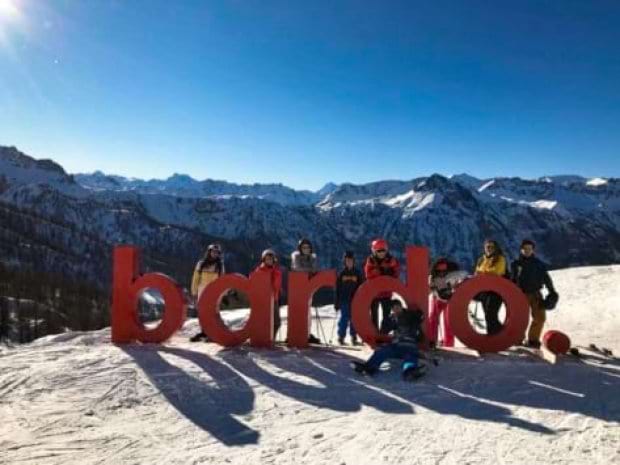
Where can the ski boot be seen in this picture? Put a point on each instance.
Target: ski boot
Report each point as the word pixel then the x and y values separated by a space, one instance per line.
pixel 413 372
pixel 362 368
pixel 199 337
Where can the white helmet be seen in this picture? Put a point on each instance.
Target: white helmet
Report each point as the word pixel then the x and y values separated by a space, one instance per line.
pixel 269 252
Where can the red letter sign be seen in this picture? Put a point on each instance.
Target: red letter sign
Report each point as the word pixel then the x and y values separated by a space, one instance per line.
pixel 415 294
pixel 128 285
pixel 301 290
pixel 259 328
pixel 517 313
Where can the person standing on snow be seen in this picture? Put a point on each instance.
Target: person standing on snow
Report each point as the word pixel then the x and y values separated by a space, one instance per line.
pixel 530 274
pixel 491 262
pixel 304 259
pixel 381 263
pixel 407 333
pixel 442 289
pixel 349 279
pixel 208 269
pixel 269 265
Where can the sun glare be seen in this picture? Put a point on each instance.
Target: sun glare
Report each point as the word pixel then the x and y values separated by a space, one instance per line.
pixel 8 9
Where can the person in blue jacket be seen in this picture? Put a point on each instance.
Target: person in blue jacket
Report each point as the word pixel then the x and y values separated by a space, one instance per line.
pixel 349 279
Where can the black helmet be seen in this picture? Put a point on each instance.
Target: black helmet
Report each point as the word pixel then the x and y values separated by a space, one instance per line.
pixel 348 254
pixel 304 241
pixel 551 300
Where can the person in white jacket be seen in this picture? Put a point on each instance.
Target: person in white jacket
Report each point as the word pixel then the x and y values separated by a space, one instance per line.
pixel 304 259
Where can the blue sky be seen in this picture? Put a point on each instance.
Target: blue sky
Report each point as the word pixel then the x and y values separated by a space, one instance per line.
pixel 309 92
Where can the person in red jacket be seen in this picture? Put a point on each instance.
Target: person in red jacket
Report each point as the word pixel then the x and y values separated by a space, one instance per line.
pixel 381 263
pixel 269 264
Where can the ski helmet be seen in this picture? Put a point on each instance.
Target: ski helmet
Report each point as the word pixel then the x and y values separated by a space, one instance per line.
pixel 268 252
pixel 304 241
pixel 214 247
pixel 379 244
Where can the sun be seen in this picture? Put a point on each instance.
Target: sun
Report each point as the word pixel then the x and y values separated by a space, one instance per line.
pixel 8 9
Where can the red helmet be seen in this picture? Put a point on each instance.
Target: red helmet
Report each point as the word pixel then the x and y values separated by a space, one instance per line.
pixel 379 244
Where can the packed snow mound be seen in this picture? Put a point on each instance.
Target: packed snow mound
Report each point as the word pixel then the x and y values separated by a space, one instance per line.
pixel 75 398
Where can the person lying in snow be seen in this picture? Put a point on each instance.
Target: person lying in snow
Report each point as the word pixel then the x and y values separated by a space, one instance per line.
pixel 406 328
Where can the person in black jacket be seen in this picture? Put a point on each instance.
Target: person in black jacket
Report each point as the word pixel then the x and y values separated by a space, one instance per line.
pixel 349 279
pixel 406 328
pixel 530 274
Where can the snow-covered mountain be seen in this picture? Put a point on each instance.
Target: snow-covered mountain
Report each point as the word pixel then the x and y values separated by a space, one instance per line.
pixel 70 222
pixel 182 185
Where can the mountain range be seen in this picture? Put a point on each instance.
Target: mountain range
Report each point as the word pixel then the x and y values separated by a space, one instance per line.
pixel 63 223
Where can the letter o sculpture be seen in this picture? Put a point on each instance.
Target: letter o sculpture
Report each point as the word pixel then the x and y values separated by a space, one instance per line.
pixel 517 313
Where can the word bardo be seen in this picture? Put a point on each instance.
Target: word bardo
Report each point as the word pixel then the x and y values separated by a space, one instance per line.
pixel 129 283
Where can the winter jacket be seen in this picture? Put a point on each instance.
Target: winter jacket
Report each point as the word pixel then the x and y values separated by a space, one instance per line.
pixel 205 272
pixel 407 327
pixel 275 276
pixel 305 263
pixel 347 283
pixel 388 266
pixel 495 264
pixel 530 274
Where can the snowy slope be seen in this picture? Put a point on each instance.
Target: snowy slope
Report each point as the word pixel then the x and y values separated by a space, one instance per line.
pixel 77 399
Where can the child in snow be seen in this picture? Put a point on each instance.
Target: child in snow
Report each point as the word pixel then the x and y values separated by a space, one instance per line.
pixel 491 262
pixel 407 333
pixel 442 290
pixel 349 279
pixel 269 265
pixel 208 269
pixel 304 259
pixel 530 274
pixel 381 263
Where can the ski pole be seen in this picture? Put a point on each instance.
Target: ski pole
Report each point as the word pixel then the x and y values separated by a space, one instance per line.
pixel 331 334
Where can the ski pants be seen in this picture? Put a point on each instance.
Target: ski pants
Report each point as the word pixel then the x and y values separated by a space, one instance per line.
pixel 539 316
pixel 277 319
pixel 407 352
pixel 439 307
pixel 386 306
pixel 345 321
pixel 491 304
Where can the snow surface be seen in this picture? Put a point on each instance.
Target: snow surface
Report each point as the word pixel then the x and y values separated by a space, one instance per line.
pixel 75 398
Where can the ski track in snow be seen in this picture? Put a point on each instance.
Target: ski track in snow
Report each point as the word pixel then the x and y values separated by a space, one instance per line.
pixel 77 399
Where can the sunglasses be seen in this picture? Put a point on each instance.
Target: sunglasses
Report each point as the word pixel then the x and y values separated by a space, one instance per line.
pixel 381 251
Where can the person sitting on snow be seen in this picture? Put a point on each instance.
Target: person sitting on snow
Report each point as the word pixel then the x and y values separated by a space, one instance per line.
pixel 406 328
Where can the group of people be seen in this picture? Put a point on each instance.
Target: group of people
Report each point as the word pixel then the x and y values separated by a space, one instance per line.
pixel 527 272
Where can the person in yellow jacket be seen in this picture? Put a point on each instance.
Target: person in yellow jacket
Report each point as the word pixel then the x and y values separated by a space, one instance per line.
pixel 493 262
pixel 208 269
